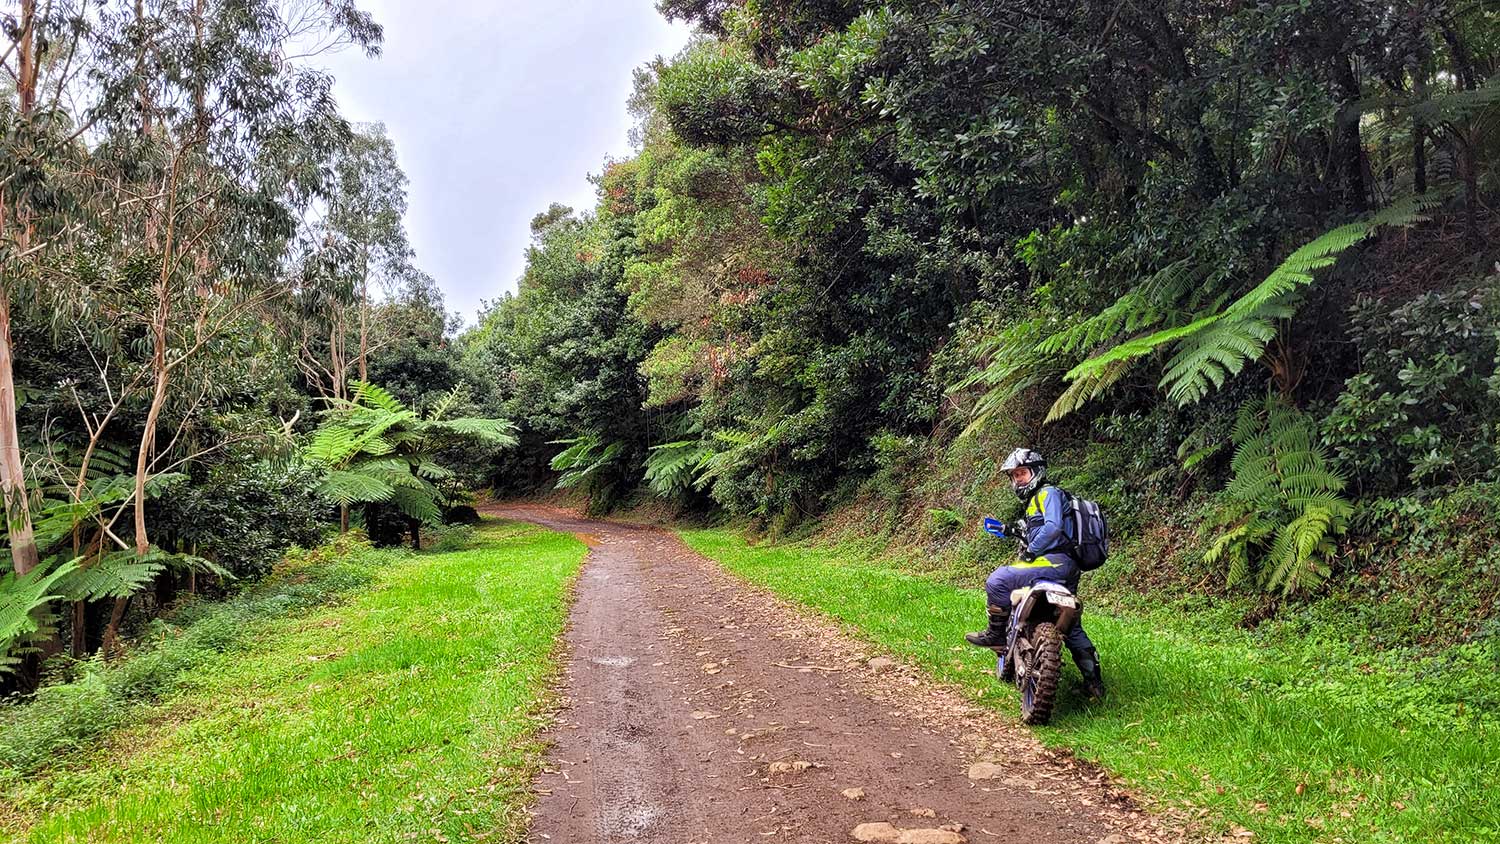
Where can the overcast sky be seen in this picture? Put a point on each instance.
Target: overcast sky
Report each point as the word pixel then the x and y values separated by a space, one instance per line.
pixel 498 108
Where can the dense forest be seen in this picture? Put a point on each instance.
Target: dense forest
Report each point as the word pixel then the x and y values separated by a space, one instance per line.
pixel 205 277
pixel 1231 266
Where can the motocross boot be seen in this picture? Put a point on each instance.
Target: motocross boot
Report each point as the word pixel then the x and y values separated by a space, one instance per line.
pixel 992 637
pixel 1087 660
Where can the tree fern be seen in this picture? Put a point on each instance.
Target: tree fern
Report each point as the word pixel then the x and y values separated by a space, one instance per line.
pixel 1280 511
pixel 1141 308
pixel 495 432
pixel 374 449
pixel 1007 364
pixel 584 460
pixel 1087 388
pixel 1213 347
pixel 344 487
pixel 672 468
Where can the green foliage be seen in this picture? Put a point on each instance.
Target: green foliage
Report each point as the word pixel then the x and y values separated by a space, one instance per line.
pixel 1282 509
pixel 585 462
pixel 23 603
pixel 942 521
pixel 1422 406
pixel 672 468
pixel 1212 348
pixel 373 449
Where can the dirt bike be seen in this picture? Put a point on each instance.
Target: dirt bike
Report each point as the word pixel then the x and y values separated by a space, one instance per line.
pixel 1041 614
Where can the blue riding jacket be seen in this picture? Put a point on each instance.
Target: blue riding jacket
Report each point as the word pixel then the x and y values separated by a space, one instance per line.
pixel 1046 535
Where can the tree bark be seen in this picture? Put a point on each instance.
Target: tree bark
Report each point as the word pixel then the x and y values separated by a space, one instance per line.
pixel 80 641
pixel 1348 152
pixel 26 57
pixel 23 550
pixel 143 458
pixel 111 641
pixel 364 336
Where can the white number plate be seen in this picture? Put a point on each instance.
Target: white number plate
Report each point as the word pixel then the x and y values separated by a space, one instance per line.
pixel 1062 600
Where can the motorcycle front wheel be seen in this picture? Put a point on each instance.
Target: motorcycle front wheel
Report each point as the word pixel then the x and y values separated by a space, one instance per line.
pixel 1044 669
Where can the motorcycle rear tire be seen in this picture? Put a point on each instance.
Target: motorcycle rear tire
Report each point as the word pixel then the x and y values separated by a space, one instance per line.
pixel 1039 686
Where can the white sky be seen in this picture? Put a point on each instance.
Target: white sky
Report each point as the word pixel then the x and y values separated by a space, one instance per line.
pixel 498 108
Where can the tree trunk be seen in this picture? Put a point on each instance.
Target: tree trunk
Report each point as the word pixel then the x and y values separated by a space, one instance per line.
pixel 23 550
pixel 148 442
pixel 1419 136
pixel 1348 152
pixel 416 533
pixel 26 57
pixel 336 355
pixel 111 641
pixel 364 338
pixel 343 518
pixel 80 642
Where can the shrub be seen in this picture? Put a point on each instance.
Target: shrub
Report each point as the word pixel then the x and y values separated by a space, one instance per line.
pixel 450 538
pixel 1421 408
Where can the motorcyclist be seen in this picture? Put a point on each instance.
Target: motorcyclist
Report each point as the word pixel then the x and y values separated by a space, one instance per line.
pixel 1048 555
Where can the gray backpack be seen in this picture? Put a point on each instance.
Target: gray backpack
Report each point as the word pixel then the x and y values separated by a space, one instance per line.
pixel 1087 531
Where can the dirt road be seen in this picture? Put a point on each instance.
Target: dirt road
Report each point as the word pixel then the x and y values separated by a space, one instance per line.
pixel 699 709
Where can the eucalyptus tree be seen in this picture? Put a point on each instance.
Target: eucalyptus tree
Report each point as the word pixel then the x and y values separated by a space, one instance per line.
pixel 366 209
pixel 156 153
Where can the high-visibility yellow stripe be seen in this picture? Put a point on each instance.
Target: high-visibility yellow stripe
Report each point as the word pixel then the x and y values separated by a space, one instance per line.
pixel 1037 503
pixel 1038 563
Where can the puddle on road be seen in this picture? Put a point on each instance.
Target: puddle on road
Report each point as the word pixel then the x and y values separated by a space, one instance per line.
pixel 613 661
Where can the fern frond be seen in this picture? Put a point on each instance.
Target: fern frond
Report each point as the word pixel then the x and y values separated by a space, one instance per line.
pixel 116 575
pixel 1006 365
pixel 1283 482
pixel 22 598
pixel 345 487
pixel 671 467
pixel 496 432
pixel 375 396
pixel 1139 347
pixel 331 445
pixel 1087 388
pixel 1204 361
pixel 419 504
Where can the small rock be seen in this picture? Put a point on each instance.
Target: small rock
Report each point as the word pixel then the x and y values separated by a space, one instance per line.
pixel 930 836
pixel 921 813
pixel 986 771
pixel 1116 838
pixel 881 664
pixel 789 767
pixel 854 793
pixel 703 715
pixel 880 832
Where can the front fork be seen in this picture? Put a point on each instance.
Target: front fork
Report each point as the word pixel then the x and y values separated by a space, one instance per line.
pixel 1005 662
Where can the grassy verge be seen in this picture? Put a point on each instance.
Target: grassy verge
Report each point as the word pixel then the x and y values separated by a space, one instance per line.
pixel 1294 743
pixel 405 713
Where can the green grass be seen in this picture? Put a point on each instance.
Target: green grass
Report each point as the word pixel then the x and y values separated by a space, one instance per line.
pixel 406 713
pixel 1294 742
